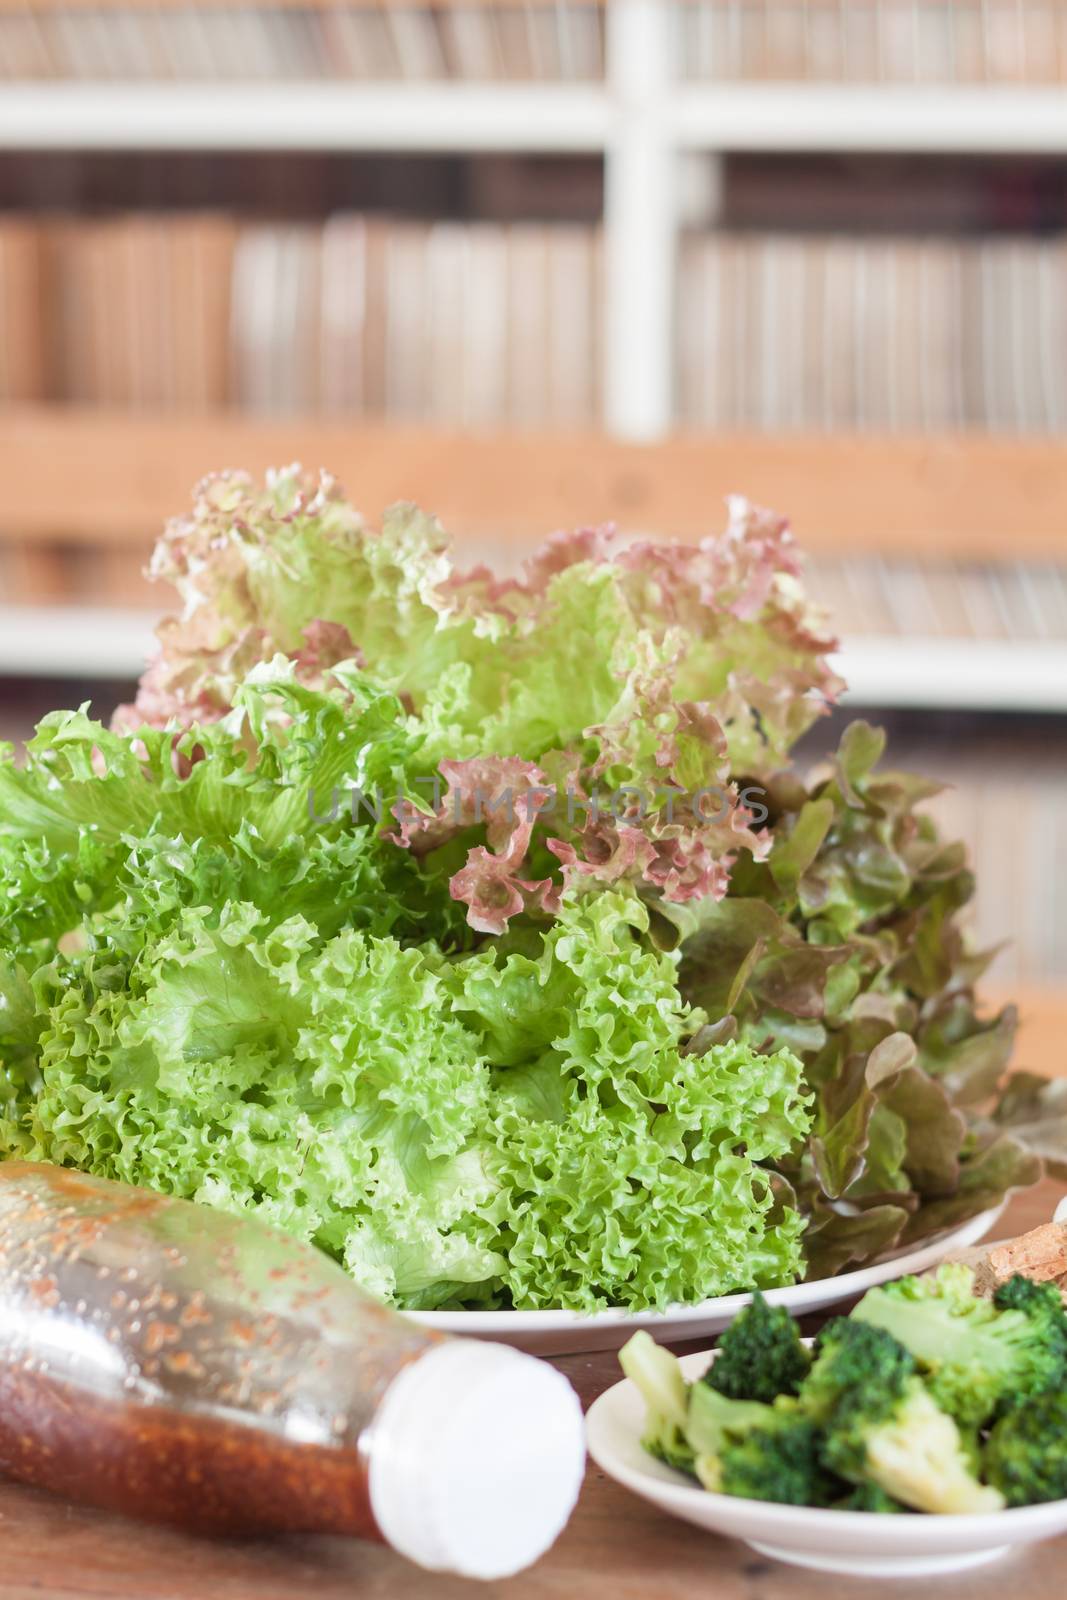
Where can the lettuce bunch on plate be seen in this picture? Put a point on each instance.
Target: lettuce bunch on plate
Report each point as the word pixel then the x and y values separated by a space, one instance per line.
pixel 209 990
pixel 479 931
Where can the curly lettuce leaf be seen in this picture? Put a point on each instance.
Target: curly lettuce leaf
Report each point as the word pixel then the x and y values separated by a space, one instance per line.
pixel 281 755
pixel 507 1127
pixel 281 804
pixel 661 670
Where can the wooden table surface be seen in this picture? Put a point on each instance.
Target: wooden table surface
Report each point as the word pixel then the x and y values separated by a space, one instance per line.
pixel 615 1547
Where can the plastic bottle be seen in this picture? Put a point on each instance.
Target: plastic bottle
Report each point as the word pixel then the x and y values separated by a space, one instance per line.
pixel 183 1365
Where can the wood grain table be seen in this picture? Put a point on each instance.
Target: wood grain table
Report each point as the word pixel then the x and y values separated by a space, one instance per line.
pixel 616 1547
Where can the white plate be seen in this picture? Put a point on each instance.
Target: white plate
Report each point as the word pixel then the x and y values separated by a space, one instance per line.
pixel 555 1333
pixel 854 1542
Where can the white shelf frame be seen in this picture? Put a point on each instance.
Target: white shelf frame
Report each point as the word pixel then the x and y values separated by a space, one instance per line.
pixel 912 672
pixel 74 641
pixel 640 225
pixel 641 119
pixel 948 120
pixel 377 117
pixel 454 116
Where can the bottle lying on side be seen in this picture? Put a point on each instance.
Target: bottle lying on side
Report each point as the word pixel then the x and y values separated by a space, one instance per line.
pixel 179 1364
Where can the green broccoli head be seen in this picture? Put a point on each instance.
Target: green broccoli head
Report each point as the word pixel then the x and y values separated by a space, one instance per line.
pixel 1026 1453
pixel 880 1425
pixel 913 1452
pixel 1023 1294
pixel 1043 1304
pixel 851 1358
pixel 736 1446
pixel 977 1356
pixel 781 1461
pixel 761 1355
pixel 759 1451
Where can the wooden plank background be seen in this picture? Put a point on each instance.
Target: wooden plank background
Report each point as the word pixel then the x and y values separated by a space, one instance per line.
pixel 112 478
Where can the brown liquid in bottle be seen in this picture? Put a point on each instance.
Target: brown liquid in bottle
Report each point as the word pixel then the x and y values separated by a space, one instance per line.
pixel 183 1365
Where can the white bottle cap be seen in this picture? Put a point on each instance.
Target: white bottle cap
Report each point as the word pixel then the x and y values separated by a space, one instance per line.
pixel 476 1459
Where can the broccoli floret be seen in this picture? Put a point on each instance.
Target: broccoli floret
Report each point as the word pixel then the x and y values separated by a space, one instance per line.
pixel 881 1426
pixel 665 1392
pixel 756 1450
pixel 914 1453
pixel 1026 1453
pixel 740 1447
pixel 779 1461
pixel 1043 1304
pixel 760 1355
pixel 977 1356
pixel 1023 1294
pixel 714 1418
pixel 869 1497
pixel 855 1355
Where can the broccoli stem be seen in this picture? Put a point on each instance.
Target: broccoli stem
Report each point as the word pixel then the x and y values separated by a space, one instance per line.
pixel 917 1457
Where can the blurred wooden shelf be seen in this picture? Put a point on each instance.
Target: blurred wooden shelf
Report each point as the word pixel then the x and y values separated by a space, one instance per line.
pixel 111 479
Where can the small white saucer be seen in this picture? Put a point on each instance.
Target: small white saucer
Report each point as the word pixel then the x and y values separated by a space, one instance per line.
pixel 858 1543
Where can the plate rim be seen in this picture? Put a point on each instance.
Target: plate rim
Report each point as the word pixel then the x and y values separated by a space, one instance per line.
pixel 560 1320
